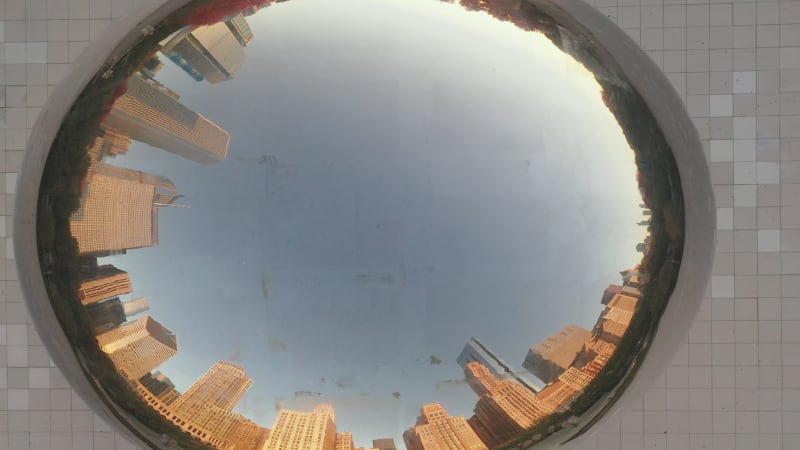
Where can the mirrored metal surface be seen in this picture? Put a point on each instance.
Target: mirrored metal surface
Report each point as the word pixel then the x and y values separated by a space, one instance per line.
pixel 379 224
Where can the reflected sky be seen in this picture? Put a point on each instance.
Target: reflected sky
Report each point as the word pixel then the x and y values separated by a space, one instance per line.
pixel 402 175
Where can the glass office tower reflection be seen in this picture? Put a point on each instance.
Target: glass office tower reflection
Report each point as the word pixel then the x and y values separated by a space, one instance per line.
pixel 369 224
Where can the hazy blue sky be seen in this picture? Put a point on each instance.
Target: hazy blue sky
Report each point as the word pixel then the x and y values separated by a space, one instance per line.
pixel 439 175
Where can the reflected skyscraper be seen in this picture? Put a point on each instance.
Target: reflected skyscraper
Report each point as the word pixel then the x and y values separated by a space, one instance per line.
pixel 476 351
pixel 205 410
pixel 435 430
pixel 384 444
pixel 118 211
pixel 161 386
pixel 344 441
pixel 222 386
pixel 610 292
pixel 505 408
pixel 615 319
pixel 248 435
pixel 105 282
pixel 106 315
pixel 138 347
pixel 213 51
pixel 109 143
pixel 151 113
pixel 111 313
pixel 240 29
pixel 208 404
pixel 296 430
pixel 560 394
pixel 136 306
pixel 549 358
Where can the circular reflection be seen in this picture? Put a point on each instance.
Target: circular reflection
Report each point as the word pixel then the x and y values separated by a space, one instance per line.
pixel 449 225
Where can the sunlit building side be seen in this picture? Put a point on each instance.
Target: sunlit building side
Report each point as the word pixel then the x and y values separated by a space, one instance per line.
pixel 212 50
pixel 160 386
pixel 115 214
pixel 119 210
pixel 435 429
pixel 109 143
pixel 151 113
pixel 222 386
pixel 575 378
pixel 138 347
pixel 205 411
pixel 105 282
pixel 122 173
pixel 570 384
pixel 248 435
pixel 476 351
pixel 344 441
pixel 551 357
pixel 505 408
pixel 167 413
pixel 558 395
pixel 295 430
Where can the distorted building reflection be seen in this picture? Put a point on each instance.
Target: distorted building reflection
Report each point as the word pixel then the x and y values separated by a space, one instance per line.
pixel 161 386
pixel 505 408
pixel 344 441
pixel 222 386
pixel 476 351
pixel 119 210
pixel 384 444
pixel 151 113
pixel 295 430
pixel 436 429
pixel 551 357
pixel 138 347
pixel 103 282
pixel 205 410
pixel 112 313
pixel 211 52
pixel 109 142
pixel 208 404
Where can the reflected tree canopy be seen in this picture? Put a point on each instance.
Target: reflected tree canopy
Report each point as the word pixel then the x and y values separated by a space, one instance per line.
pixel 368 224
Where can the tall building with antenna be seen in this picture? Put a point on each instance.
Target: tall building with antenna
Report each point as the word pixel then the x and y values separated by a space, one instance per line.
pixel 119 210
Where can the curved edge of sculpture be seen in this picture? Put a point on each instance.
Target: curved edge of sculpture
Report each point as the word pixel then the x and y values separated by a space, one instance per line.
pixel 100 51
pixel 700 213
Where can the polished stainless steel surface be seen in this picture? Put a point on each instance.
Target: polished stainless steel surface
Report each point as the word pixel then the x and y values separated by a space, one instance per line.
pixel 319 224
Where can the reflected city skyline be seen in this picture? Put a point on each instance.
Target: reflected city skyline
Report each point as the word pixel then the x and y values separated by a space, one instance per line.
pixel 252 282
